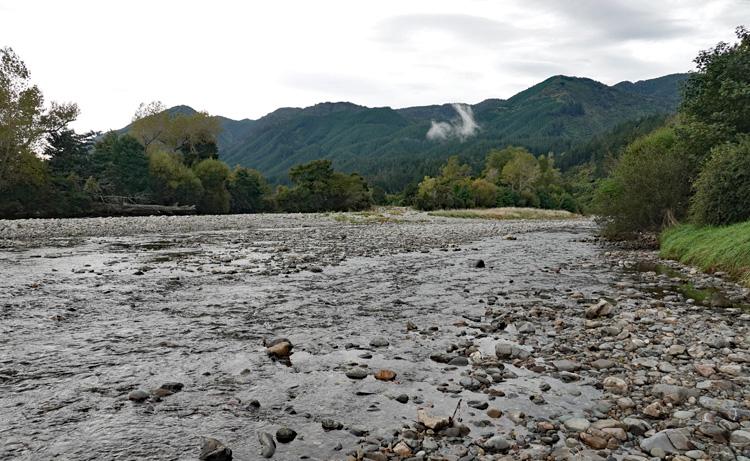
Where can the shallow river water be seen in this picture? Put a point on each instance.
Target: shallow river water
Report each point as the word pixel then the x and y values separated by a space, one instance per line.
pixel 85 320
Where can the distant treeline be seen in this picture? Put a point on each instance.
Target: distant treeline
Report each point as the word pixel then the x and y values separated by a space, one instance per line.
pixel 167 162
pixel 164 163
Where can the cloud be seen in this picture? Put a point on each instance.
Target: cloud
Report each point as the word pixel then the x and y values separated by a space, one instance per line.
pixel 461 128
pixel 471 29
pixel 616 20
pixel 331 84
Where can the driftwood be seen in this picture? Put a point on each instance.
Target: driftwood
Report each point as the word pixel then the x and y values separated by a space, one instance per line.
pixel 127 206
pixel 137 209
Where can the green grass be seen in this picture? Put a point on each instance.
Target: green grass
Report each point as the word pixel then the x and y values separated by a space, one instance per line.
pixel 711 248
pixel 505 213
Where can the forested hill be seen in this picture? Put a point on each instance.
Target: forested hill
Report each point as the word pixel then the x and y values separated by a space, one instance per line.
pixel 391 147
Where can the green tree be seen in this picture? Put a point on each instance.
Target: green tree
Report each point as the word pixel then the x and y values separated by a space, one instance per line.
pixel 521 173
pixel 172 182
pixel 67 151
pixel 249 191
pixel 120 164
pixel 213 175
pixel 317 187
pixel 193 135
pixel 496 160
pixel 719 92
pixel 24 124
pixel 723 187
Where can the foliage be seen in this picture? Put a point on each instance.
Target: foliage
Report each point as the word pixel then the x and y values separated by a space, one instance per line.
pixel 511 177
pixel 249 191
pixel 213 175
pixel 722 190
pixel 67 151
pixel 192 134
pixel 121 167
pixel 24 124
pixel 719 93
pixel 648 188
pixel 172 182
pixel 521 173
pixel 711 248
pixel 317 187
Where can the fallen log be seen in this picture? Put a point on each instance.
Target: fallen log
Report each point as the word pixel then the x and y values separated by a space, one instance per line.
pixel 137 209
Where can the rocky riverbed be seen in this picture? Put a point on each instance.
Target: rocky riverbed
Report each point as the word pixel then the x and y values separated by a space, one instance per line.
pixel 392 335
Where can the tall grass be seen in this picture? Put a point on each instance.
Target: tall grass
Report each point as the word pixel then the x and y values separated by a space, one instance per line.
pixel 711 248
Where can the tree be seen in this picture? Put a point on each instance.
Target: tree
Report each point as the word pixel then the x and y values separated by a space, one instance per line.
pixel 719 93
pixel 317 187
pixel 194 135
pixel 172 182
pixel 496 160
pixel 248 191
pixel 24 124
pixel 150 124
pixel 213 175
pixel 484 194
pixel 521 172
pixel 67 151
pixel 120 164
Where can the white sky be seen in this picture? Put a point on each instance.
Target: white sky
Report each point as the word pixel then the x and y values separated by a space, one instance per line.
pixel 243 59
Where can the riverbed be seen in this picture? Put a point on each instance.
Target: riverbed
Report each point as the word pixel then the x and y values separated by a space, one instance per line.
pixel 513 347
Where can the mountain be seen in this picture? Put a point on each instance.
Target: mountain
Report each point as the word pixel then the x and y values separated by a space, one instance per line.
pixel 390 146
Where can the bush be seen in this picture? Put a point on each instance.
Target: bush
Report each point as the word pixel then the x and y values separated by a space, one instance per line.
pixel 722 190
pixel 648 188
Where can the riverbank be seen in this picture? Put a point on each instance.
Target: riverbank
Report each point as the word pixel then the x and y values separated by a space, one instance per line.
pixel 712 249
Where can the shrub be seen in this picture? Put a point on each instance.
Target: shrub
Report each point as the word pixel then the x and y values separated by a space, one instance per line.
pixel 648 188
pixel 722 190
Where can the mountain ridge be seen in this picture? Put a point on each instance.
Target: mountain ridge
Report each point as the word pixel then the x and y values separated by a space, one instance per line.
pixel 389 146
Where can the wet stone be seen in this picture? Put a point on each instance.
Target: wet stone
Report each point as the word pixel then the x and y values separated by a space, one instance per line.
pixel 214 450
pixel 331 425
pixel 285 435
pixel 267 445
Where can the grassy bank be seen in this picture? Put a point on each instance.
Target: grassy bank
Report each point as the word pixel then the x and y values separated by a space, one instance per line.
pixel 505 213
pixel 711 248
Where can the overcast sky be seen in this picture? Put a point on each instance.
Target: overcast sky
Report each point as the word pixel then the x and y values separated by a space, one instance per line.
pixel 244 59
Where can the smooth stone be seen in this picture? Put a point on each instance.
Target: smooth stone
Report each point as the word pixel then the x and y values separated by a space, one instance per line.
pixel 379 341
pixel 496 444
pixel 356 373
pixel 267 445
pixel 577 424
pixel 214 450
pixel 285 435
pixel 138 395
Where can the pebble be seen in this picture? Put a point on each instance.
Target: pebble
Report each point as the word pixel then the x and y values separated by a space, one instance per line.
pixel 356 373
pixel 214 450
pixel 285 435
